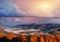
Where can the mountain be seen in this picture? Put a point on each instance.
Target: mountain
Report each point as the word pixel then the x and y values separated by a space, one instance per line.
pixel 46 28
pixel 28 28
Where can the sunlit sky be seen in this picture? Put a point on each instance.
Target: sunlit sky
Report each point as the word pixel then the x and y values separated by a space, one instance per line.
pixel 34 8
pixel 40 8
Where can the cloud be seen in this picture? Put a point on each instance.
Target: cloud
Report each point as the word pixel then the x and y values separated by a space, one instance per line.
pixel 27 8
pixel 57 11
pixel 7 8
pixel 31 7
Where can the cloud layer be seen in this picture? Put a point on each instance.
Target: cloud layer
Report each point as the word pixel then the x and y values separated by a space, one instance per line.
pixel 9 9
pixel 28 8
pixel 32 7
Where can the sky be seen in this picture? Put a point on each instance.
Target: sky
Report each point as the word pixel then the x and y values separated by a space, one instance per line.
pixel 28 11
pixel 40 8
pixel 30 8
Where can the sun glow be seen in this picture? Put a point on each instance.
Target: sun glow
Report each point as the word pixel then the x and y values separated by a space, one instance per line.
pixel 46 6
pixel 42 9
pixel 38 8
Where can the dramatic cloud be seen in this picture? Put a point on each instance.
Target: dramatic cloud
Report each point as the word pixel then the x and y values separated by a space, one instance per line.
pixel 39 8
pixel 30 9
pixel 12 21
pixel 34 7
pixel 9 9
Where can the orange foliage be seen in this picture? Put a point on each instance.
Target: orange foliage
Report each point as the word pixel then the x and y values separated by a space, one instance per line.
pixel 33 38
pixel 10 36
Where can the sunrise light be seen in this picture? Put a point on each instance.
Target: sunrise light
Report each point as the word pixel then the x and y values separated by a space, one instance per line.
pixel 45 6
